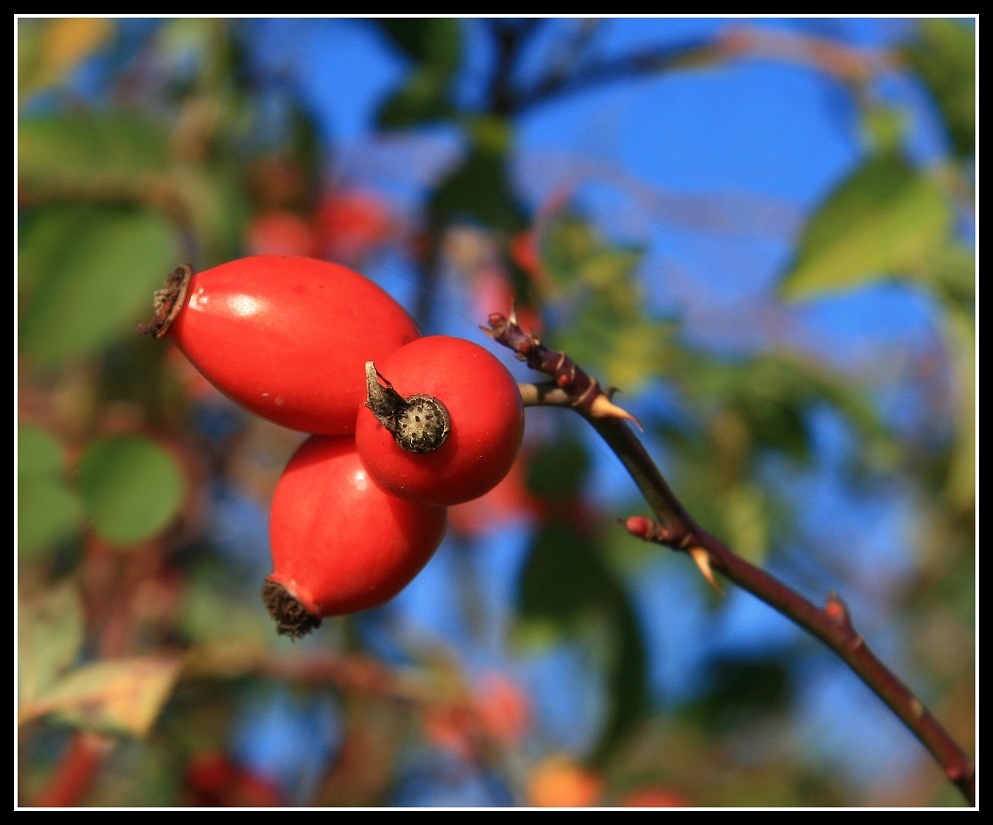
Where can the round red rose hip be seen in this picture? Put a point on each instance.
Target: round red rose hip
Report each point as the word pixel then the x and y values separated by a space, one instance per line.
pixel 486 423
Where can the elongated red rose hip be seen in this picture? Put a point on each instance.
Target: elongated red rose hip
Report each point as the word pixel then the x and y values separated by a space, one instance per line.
pixel 285 337
pixel 339 543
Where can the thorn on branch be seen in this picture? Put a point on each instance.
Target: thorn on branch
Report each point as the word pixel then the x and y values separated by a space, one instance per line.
pixel 701 558
pixel 584 392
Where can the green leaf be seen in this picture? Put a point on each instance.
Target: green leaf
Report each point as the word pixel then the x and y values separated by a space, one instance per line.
pixel 38 454
pixel 131 488
pixel 46 509
pixel 558 470
pixel 479 191
pixel 564 584
pixel 103 283
pixel 944 55
pixel 435 41
pixel 120 696
pixel 883 221
pixel 952 271
pixel 423 98
pixel 746 521
pixel 49 636
pixel 960 486
pixel 211 613
pixel 90 154
pixel 564 577
pixel 47 238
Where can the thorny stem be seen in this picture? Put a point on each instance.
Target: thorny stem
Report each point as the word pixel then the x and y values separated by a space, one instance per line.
pixel 675 528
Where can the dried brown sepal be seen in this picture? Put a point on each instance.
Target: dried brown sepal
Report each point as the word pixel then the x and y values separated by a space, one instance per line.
pixel 419 423
pixel 585 392
pixel 168 301
pixel 291 617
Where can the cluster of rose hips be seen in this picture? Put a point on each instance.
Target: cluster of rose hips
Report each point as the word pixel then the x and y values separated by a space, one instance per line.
pixel 402 425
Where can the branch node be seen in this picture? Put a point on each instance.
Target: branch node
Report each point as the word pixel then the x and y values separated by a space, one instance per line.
pixel 837 611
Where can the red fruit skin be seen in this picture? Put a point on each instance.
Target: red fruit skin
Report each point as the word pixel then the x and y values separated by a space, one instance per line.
pixel 287 337
pixel 487 423
pixel 339 543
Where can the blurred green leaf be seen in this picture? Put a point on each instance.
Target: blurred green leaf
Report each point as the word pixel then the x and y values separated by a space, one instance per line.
pixel 952 272
pixel 47 238
pixel 610 268
pixel 609 332
pixel 423 98
pixel 478 191
pixel 886 127
pixel 100 285
pixel 119 696
pixel 216 204
pixel 742 690
pixel 565 582
pixel 774 393
pixel 566 243
pixel 90 154
pixel 944 54
pixel 38 453
pixel 212 611
pixel 131 488
pixel 564 577
pixel 960 487
pixel 432 40
pixel 49 636
pixel 558 470
pixel 47 510
pixel 746 522
pixel 883 221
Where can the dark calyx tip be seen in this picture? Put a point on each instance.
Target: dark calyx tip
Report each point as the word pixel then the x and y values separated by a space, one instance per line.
pixel 423 426
pixel 419 424
pixel 168 301
pixel 291 617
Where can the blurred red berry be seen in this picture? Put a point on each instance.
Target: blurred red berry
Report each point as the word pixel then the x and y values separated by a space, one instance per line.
pixel 508 501
pixel 524 252
pixel 282 233
pixel 502 708
pixel 214 780
pixel 351 225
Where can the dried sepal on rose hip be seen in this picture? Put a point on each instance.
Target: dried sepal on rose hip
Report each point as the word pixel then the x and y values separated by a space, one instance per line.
pixel 285 337
pixel 339 543
pixel 443 422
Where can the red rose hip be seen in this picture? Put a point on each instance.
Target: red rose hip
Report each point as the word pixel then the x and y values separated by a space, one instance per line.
pixel 481 425
pixel 339 543
pixel 285 337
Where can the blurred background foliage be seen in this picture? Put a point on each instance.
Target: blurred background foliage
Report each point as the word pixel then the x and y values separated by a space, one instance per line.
pixel 544 657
